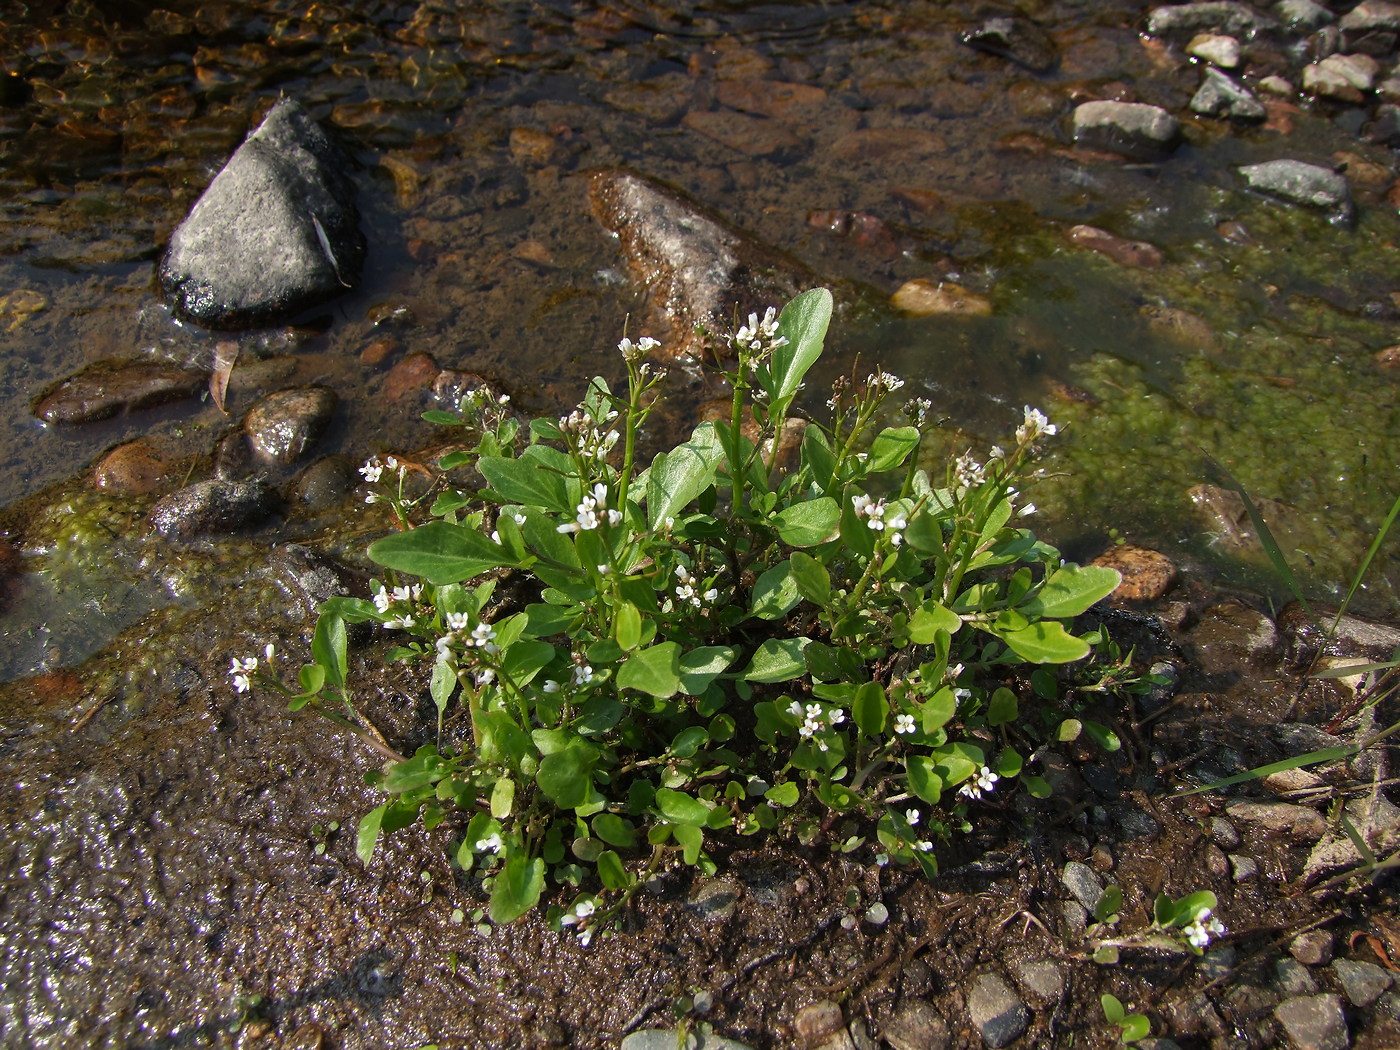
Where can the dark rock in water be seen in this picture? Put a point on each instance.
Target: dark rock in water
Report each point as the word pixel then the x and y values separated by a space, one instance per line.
pixel 306 579
pixel 283 425
pixel 325 483
pixel 1221 96
pixel 136 466
pixel 1119 249
pixel 111 387
pixel 1371 27
pixel 1131 129
pixel 697 268
pixel 212 507
pixel 1222 17
pixel 275 232
pixel 1299 183
pixel 1015 39
pixel 1303 15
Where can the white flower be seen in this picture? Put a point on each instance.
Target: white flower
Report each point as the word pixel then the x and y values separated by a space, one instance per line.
pixel 485 677
pixel 614 517
pixel 458 621
pixel 636 351
pixel 550 687
pixel 983 781
pixel 240 671
pixel 1026 511
pixel 924 846
pixel 1034 427
pixel 483 634
pixel 268 651
pixel 585 937
pixel 491 843
pixel 382 600
pixel 885 380
pixel 711 595
pixel 904 724
pixel 912 815
pixel 968 472
pixel 519 518
pixel 403 622
pixel 372 469
pixel 583 674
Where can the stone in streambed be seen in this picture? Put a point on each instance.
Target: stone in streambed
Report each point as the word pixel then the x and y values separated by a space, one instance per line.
pixel 212 507
pixel 1131 129
pixel 1221 96
pixel 1314 1022
pixel 109 388
pixel 275 232
pixel 136 466
pixel 921 298
pixel 696 267
pixel 1119 249
pixel 1147 574
pixel 1295 182
pixel 1179 20
pixel 283 425
pixel 997 1011
pixel 1015 39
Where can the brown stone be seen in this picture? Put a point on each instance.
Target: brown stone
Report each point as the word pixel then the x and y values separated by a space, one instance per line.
pixel 133 467
pixel 877 144
pixel 1389 358
pixel 770 98
pixel 1147 574
pixel 1362 172
pixel 818 1022
pixel 1119 249
pixel 923 298
pixel 379 351
pixel 751 136
pixel 414 373
pixel 1181 326
pixel 534 148
pixel 110 387
pixel 282 426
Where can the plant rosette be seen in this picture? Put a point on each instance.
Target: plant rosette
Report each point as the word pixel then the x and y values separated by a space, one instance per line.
pixel 714 641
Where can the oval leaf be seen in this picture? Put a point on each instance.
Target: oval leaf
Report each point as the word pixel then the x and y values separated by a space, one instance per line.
pixel 440 552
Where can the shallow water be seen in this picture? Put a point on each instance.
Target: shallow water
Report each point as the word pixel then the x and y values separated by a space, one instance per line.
pixel 471 130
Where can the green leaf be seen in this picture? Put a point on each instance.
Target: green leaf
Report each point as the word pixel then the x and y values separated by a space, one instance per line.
pixel 1046 642
pixel 691 838
pixel 680 808
pixel 566 776
pixel 1106 954
pixel 809 523
pixel 523 481
pixel 611 872
pixel 1009 763
pixel 777 660
pixel 689 740
pixel 924 779
pixel 655 670
pixel 785 794
pixel 1103 736
pixel 870 708
pixel 1038 787
pixel 615 830
pixel 811 577
pixel 890 448
pixel 924 533
pixel 441 686
pixel 828 664
pixel 1109 904
pixel 775 594
pixel 817 457
pixel 939 710
pixel 956 762
pixel 1135 1027
pixel 368 835
pixel 803 323
pixel 1112 1008
pixel 701 666
pixel 328 648
pixel 439 552
pixel 1002 708
pixel 929 619
pixel 1328 754
pixel 677 477
pixel 627 626
pixel 517 887
pixel 503 798
pixel 1070 590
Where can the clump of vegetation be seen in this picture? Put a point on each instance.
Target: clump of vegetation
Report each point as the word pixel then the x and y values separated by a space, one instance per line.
pixel 778 626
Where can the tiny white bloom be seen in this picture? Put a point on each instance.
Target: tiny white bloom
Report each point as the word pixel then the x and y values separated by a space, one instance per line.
pixel 372 469
pixel 904 724
pixel 912 815
pixel 550 686
pixel 491 842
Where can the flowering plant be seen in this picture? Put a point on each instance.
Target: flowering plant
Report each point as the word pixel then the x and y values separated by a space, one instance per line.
pixel 777 625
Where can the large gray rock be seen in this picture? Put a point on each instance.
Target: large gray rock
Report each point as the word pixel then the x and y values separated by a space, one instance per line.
pixel 997 1011
pixel 1133 129
pixel 212 507
pixel 697 268
pixel 275 232
pixel 1299 183
pixel 1314 1022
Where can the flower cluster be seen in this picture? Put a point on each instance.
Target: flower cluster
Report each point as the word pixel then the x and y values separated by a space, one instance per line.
pixel 592 441
pixel 588 519
pixel 816 718
pixel 879 381
pixel 373 470
pixel 1201 929
pixel 686 584
pixel 634 352
pixel 982 781
pixel 385 598
pixel 918 410
pixel 243 668
pixel 760 337
pixel 968 472
pixel 576 915
pixel 874 512
pixel 1036 425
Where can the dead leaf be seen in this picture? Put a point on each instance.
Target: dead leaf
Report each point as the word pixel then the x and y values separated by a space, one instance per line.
pixel 225 356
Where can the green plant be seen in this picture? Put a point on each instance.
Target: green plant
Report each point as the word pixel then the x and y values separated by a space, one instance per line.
pixel 1182 925
pixel 777 625
pixel 1131 1027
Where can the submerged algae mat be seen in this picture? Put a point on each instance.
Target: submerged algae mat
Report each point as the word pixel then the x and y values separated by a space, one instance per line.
pixel 168 878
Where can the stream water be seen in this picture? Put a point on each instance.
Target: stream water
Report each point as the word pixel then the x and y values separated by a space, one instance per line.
pixel 472 125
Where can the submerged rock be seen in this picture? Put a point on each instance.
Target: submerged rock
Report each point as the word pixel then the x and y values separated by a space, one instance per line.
pixel 1131 129
pixel 275 232
pixel 1299 183
pixel 1236 19
pixel 697 268
pixel 1222 96
pixel 213 506
pixel 1016 39
pixel 283 425
pixel 921 298
pixel 109 388
pixel 1119 249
